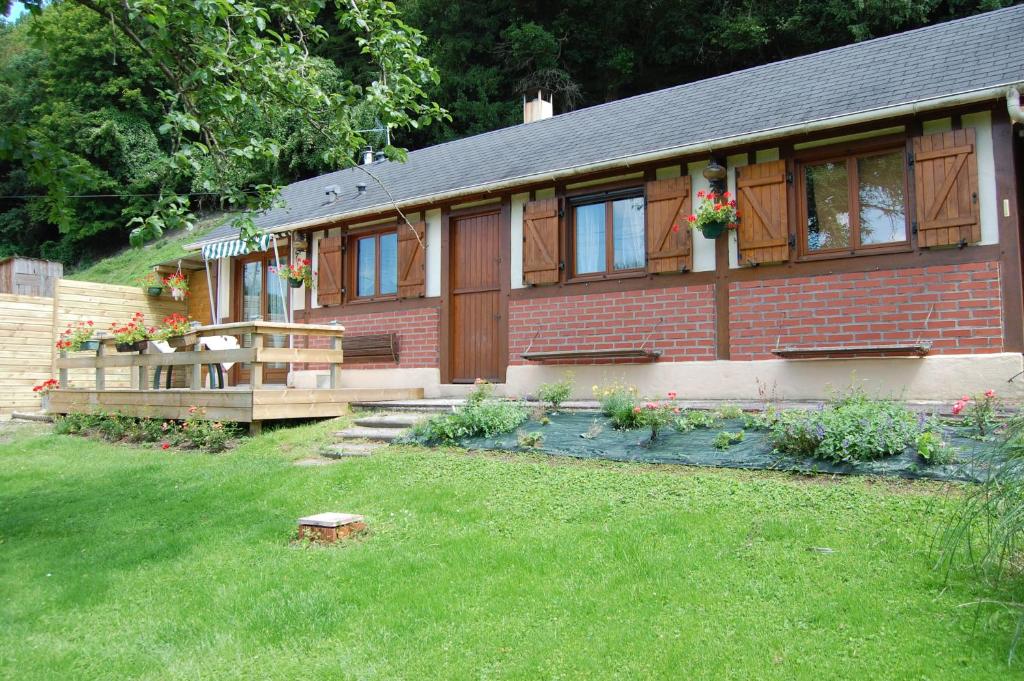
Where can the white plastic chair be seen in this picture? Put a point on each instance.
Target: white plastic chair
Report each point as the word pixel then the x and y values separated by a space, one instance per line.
pixel 216 371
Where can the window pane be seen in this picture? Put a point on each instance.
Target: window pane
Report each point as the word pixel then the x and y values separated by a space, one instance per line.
pixel 828 206
pixel 389 264
pixel 628 233
pixel 590 253
pixel 883 217
pixel 366 265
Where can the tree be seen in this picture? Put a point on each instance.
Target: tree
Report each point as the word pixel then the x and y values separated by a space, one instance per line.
pixel 224 65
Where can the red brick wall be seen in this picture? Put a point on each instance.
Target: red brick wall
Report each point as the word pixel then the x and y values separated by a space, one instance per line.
pixel 417 331
pixel 598 321
pixel 870 308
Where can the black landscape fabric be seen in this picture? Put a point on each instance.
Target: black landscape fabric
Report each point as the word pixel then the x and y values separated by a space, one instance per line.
pixel 591 436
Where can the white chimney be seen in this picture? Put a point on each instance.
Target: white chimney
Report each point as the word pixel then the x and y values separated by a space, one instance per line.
pixel 537 107
pixel 367 156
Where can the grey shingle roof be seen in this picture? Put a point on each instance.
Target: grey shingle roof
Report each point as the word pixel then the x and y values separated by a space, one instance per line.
pixel 979 52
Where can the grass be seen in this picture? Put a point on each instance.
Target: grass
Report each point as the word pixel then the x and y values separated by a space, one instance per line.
pixel 125 266
pixel 132 563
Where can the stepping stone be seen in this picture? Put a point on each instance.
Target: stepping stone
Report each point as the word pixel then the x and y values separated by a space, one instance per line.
pixel 388 420
pixel 345 450
pixel 314 461
pixel 379 434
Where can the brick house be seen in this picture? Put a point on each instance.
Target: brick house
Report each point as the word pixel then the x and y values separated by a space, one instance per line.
pixel 878 190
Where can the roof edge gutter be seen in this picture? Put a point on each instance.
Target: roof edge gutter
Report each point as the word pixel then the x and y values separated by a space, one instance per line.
pixel 706 146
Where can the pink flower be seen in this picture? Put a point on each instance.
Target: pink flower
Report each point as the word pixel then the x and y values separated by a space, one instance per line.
pixel 165 445
pixel 671 394
pixel 990 394
pixel 965 398
pixel 636 410
pixel 676 410
pixel 958 407
pixel 700 194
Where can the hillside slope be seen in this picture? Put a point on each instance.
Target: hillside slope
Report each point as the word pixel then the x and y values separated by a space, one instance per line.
pixel 126 266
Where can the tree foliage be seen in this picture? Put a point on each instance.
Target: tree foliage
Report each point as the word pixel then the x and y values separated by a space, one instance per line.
pixel 232 82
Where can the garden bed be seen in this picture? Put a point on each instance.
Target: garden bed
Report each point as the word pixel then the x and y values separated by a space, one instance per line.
pixel 591 436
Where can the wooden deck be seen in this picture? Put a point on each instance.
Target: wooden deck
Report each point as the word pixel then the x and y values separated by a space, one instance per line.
pixel 253 403
pixel 243 404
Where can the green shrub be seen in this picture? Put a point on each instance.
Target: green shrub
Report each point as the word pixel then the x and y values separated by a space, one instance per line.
pixel 556 393
pixel 77 424
pixel 979 415
pixel 199 432
pixel 759 420
pixel 729 411
pixel 934 449
pixel 530 440
pixel 725 439
pixel 852 428
pixel 689 419
pixel 655 415
pixel 796 432
pixel 114 427
pixel 480 416
pixel 618 402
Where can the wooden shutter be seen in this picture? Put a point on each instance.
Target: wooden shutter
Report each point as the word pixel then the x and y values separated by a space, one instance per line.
pixel 668 233
pixel 764 217
pixel 946 188
pixel 328 274
pixel 411 271
pixel 540 242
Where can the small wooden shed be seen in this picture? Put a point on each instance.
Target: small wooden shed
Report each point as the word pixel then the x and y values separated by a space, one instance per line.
pixel 29 276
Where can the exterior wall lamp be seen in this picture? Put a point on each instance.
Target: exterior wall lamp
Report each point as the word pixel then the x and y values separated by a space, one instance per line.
pixel 715 173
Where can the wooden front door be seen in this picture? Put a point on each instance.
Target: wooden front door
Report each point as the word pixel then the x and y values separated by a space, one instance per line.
pixel 477 308
pixel 259 295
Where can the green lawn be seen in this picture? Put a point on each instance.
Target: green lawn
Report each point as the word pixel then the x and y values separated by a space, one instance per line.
pixel 130 563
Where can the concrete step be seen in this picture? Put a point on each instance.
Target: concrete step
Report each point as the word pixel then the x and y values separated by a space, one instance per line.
pixel 389 420
pixel 373 434
pixel 344 450
pixel 431 406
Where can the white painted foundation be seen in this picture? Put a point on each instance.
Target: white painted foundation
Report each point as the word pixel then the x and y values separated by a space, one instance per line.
pixel 938 378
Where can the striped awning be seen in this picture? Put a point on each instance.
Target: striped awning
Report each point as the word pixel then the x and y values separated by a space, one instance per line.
pixel 226 249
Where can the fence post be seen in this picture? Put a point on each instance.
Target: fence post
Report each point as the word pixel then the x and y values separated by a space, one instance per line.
pixel 101 373
pixel 62 373
pixel 256 372
pixel 335 366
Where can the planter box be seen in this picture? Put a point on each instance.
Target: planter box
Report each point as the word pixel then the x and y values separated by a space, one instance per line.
pixel 183 341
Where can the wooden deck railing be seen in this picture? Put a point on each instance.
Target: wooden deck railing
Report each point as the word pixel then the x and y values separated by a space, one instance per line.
pixel 188 354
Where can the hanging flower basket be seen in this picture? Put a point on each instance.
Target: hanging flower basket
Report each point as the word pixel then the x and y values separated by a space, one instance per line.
pixel 715 214
pixel 178 283
pixel 713 230
pixel 151 284
pixel 298 274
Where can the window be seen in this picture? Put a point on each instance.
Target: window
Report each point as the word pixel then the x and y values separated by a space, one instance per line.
pixel 609 236
pixel 854 203
pixel 376 265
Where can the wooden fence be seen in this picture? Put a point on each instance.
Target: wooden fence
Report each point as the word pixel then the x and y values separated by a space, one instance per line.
pixel 26 330
pixel 105 304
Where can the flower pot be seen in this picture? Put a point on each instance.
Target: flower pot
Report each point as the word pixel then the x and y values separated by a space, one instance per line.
pixel 183 341
pixel 125 347
pixel 154 290
pixel 295 283
pixel 91 345
pixel 713 230
pixel 44 404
